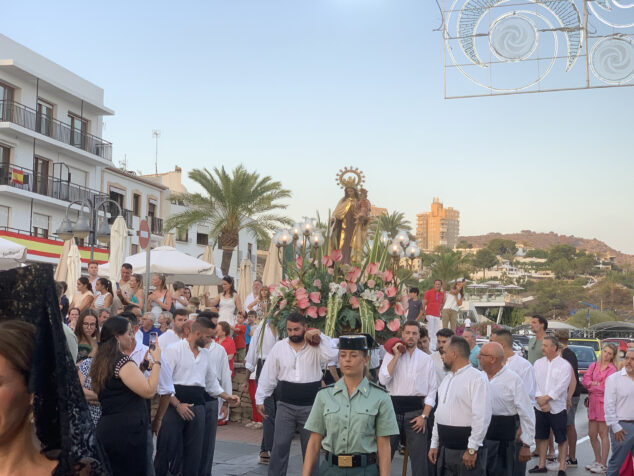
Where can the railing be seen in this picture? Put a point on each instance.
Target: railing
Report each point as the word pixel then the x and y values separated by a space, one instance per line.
pixel 30 119
pixel 26 179
pixel 125 213
pixel 156 226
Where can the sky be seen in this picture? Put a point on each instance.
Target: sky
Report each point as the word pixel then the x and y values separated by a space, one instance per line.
pixel 297 89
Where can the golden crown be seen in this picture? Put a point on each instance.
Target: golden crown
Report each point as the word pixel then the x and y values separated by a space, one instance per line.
pixel 350 177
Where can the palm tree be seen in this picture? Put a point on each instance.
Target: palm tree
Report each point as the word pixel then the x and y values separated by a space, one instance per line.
pixel 447 266
pixel 390 222
pixel 231 202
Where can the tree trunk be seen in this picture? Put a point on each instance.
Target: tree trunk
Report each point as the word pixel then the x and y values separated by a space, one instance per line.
pixel 227 242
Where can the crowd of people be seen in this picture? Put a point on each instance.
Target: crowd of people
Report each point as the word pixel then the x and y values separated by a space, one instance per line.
pixel 159 383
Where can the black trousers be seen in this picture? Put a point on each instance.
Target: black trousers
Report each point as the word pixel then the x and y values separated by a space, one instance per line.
pixel 450 463
pixel 500 456
pixel 180 443
pixel 209 440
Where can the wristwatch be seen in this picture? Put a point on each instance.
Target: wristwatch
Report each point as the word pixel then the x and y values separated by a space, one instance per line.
pixel 471 451
pixel 424 417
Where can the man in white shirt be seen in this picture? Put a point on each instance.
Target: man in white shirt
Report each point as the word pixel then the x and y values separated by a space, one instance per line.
pixel 259 349
pixel 463 415
pixel 442 339
pixel 182 415
pixel 93 266
pixel 257 285
pixel 526 373
pixel 619 413
pixel 552 374
pixel 176 333
pixel 410 378
pixel 509 403
pixel 295 365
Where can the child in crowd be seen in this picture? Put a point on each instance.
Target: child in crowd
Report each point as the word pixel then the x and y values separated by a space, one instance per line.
pixel 239 333
pixel 252 317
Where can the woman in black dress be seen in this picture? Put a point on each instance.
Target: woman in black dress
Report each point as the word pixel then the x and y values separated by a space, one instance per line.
pixel 122 390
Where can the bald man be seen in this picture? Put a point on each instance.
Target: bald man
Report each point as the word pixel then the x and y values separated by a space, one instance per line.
pixel 510 401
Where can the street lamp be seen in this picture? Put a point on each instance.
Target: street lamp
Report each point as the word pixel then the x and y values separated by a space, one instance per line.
pixel 87 223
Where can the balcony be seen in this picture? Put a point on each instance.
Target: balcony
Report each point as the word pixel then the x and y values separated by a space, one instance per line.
pixel 156 225
pixel 29 119
pixel 125 213
pixel 25 179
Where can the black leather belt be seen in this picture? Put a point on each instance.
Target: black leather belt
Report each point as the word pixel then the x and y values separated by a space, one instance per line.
pixel 351 461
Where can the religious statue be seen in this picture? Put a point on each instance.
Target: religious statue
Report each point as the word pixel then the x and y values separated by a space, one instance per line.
pixel 351 216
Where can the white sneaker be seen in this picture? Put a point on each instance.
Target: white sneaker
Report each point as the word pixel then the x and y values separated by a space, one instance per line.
pixel 591 465
pixel 598 469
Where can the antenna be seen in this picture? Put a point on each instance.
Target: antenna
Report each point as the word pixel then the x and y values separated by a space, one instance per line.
pixel 156 134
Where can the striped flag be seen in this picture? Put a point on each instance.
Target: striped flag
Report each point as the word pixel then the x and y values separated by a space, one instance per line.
pixel 17 176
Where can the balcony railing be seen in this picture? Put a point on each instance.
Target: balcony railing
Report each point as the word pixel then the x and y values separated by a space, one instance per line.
pixel 156 226
pixel 26 179
pixel 30 119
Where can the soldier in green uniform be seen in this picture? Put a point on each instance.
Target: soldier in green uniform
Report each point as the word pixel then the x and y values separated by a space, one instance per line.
pixel 352 420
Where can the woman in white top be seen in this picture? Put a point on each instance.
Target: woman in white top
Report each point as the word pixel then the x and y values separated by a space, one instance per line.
pixel 160 300
pixel 453 301
pixel 178 296
pixel 227 302
pixel 103 299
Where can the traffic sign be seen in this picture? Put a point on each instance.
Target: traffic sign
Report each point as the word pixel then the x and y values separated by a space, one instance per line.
pixel 144 234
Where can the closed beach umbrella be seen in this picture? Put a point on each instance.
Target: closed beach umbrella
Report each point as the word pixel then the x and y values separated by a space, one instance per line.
pixel 73 270
pixel 169 240
pixel 211 291
pixel 245 282
pixel 118 234
pixel 272 273
pixel 61 270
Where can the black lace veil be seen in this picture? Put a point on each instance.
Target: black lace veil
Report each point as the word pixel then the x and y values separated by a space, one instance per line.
pixel 62 420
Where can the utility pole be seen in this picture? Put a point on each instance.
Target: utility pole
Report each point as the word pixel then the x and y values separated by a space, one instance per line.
pixel 156 134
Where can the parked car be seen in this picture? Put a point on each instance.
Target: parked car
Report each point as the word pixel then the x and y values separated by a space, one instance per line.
pixel 522 341
pixel 594 344
pixel 585 357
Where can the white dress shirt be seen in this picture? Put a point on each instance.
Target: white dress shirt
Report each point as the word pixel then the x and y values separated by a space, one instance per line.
pixel 618 400
pixel 526 373
pixel 139 336
pixel 464 399
pixel 376 356
pixel 553 377
pixel 167 338
pixel 189 370
pixel 509 397
pixel 255 351
pixel 414 375
pixel 439 365
pixel 248 300
pixel 285 364
pixel 220 362
pixel 165 383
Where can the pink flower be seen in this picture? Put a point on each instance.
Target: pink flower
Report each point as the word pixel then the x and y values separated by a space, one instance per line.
pixel 299 262
pixel 301 294
pixel 388 276
pixel 312 312
pixel 384 306
pixel 372 268
pixel 371 283
pixel 315 297
pixel 379 325
pixel 303 303
pixel 283 304
pixel 405 301
pixel 390 291
pixel 352 287
pixel 353 275
pixel 394 325
pixel 326 261
pixel 343 285
pixel 354 302
pixel 295 282
pixel 380 294
pixel 398 309
pixel 323 310
pixel 336 255
pixel 317 283
pixel 331 271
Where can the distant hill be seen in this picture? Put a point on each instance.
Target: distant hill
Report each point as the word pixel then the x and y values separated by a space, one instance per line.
pixel 543 241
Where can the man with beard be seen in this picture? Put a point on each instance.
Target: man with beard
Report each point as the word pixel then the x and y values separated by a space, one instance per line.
pixel 295 365
pixel 442 338
pixel 176 333
pixel 183 424
pixel 410 378
pixel 462 416
pixel 510 402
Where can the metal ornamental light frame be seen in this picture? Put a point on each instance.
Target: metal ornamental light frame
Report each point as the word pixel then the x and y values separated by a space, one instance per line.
pixel 502 47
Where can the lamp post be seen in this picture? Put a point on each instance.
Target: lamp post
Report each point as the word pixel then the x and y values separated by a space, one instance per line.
pixel 87 223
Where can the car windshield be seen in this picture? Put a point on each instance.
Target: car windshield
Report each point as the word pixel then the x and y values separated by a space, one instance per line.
pixel 586 343
pixel 583 353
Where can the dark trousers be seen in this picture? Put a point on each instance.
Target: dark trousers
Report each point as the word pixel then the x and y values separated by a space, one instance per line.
pixel 288 420
pixel 209 438
pixel 450 463
pixel 417 443
pixel 180 441
pixel 268 422
pixel 500 456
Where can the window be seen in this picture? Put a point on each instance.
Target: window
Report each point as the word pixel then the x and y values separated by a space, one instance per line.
pixel 134 249
pixel 4 216
pixel 250 250
pixel 44 119
pixel 78 127
pixel 151 210
pixel 41 173
pixel 202 238
pixel 5 170
pixel 116 195
pixel 182 234
pixel 6 102
pixel 136 205
pixel 40 225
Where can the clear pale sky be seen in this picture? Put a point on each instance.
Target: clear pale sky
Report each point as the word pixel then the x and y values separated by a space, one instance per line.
pixel 298 89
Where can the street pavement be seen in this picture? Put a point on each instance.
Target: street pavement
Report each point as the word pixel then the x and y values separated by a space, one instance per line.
pixel 238 448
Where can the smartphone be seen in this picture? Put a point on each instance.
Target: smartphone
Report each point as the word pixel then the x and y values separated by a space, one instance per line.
pixel 153 340
pixel 118 287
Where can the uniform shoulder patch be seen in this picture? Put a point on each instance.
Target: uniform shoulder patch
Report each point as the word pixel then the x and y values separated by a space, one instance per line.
pixel 376 385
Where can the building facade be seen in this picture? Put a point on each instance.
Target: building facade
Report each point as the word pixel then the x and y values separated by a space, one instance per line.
pixel 438 227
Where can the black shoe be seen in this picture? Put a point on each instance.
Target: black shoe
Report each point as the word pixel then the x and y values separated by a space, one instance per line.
pixel 537 469
pixel 561 472
pixel 572 463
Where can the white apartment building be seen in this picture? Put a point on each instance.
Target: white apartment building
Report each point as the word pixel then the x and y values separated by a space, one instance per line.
pixel 52 154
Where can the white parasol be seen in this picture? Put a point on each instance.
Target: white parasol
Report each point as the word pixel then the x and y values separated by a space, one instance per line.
pixel 118 235
pixel 73 269
pixel 11 254
pixel 272 273
pixel 245 281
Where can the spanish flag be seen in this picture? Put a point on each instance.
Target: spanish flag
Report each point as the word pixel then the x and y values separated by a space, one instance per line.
pixel 17 176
